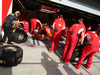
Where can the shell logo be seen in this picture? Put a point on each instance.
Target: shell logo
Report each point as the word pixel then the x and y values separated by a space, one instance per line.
pixel 59 24
pixel 48 31
pixel 76 25
pixel 96 35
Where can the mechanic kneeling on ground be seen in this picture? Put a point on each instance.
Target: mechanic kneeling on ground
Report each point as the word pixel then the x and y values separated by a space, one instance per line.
pixel 7 26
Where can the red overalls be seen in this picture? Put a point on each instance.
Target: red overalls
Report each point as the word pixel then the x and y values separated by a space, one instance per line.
pixel 34 22
pixel 59 25
pixel 88 27
pixel 26 26
pixel 71 40
pixel 26 16
pixel 91 49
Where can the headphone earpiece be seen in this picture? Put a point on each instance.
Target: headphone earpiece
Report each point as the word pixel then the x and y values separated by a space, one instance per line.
pixel 18 13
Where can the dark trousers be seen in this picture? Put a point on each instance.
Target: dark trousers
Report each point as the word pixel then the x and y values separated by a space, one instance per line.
pixel 7 33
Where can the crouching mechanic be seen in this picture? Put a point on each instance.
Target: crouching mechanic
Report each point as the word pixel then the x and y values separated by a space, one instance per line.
pixel 34 22
pixel 90 49
pixel 8 26
pixel 75 34
pixel 58 26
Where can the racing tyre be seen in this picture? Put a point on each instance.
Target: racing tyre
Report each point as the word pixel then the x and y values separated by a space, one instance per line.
pixel 77 54
pixel 10 55
pixel 19 36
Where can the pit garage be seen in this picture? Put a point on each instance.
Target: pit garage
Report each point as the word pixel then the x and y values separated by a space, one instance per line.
pixel 36 58
pixel 47 11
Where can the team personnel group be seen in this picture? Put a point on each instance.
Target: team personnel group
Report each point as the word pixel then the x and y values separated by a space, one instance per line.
pixel 75 35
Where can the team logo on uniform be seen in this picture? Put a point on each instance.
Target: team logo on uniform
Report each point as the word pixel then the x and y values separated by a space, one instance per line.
pixel 12 14
pixel 96 35
pixel 76 24
pixel 48 30
pixel 59 24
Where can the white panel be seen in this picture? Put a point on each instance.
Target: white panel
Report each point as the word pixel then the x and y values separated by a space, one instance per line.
pixel 10 9
pixel 77 6
pixel 0 14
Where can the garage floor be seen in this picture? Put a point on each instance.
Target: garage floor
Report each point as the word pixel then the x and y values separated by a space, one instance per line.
pixel 38 61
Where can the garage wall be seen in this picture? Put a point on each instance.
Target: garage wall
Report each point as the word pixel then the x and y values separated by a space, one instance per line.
pixel 79 5
pixel 90 3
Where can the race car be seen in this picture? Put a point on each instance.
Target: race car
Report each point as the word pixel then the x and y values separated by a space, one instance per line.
pixel 44 33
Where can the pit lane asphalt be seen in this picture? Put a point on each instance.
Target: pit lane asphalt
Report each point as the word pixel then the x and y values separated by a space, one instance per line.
pixel 38 61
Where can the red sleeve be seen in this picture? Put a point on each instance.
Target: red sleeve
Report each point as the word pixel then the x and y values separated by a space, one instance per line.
pixel 70 29
pixel 64 24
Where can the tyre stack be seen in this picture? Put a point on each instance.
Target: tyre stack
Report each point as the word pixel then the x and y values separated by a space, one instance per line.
pixel 10 55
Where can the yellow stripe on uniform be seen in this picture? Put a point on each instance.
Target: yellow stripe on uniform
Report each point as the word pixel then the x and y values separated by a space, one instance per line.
pixel 76 24
pixel 96 35
pixel 12 14
pixel 14 30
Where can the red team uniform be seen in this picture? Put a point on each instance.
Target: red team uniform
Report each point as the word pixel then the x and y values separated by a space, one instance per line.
pixel 71 40
pixel 26 26
pixel 88 27
pixel 59 25
pixel 90 49
pixel 34 22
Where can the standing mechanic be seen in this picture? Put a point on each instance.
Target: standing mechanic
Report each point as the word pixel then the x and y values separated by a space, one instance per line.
pixel 58 26
pixel 34 22
pixel 75 34
pixel 90 49
pixel 7 26
pixel 88 27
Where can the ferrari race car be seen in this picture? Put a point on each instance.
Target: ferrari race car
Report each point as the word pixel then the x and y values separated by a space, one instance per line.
pixel 44 33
